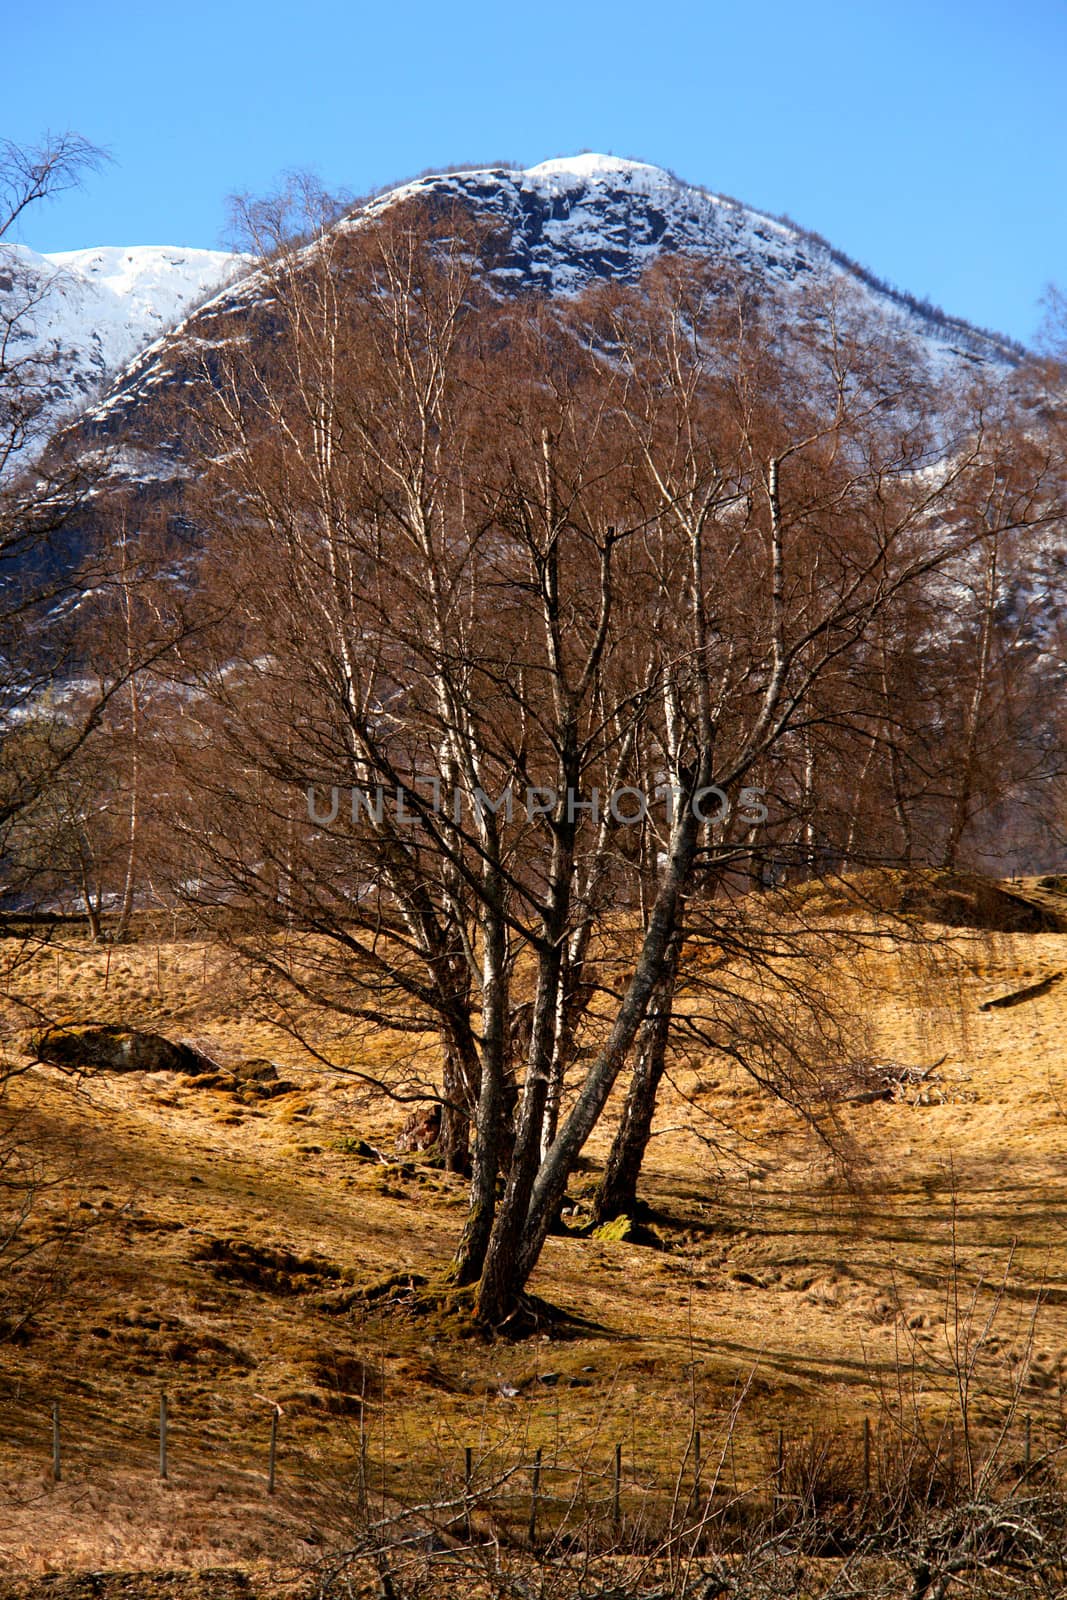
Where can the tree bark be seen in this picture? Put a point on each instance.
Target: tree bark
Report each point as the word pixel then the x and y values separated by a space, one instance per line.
pixel 617 1194
pixel 459 1083
pixel 469 1259
pixel 514 1250
pixel 961 806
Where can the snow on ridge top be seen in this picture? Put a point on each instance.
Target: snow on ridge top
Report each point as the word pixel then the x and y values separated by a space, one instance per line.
pixel 106 303
pixel 123 269
pixel 98 308
pixel 88 257
pixel 591 165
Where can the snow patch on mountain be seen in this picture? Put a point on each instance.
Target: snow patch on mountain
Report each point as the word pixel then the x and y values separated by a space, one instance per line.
pixel 95 310
pixel 589 164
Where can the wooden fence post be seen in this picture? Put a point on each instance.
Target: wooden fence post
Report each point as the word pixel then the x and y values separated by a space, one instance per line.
pixel 273 1449
pixel 534 1487
pixel 275 1413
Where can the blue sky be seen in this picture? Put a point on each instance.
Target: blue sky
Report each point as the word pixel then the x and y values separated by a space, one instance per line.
pixel 926 140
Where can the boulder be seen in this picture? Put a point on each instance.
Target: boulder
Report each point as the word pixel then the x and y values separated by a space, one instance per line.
pixel 626 1230
pixel 258 1070
pixel 110 1047
pixel 620 1230
pixel 420 1131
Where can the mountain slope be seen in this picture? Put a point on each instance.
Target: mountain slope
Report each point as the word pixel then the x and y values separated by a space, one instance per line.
pixel 592 216
pixel 568 222
pixel 96 309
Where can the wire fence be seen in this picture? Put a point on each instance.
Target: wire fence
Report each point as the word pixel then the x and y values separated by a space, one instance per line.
pixel 528 1491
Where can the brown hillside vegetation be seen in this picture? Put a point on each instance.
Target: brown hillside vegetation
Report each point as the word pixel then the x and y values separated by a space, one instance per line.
pixel 225 1240
pixel 952 899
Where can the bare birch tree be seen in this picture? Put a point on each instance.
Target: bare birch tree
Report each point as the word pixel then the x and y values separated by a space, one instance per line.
pixel 483 569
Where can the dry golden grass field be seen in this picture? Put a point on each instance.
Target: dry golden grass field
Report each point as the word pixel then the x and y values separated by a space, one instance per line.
pixel 221 1242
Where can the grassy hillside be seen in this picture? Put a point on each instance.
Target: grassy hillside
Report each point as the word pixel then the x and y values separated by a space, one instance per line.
pixel 224 1243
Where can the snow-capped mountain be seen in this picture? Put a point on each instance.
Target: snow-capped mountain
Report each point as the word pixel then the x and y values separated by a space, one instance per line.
pixel 96 309
pixel 592 216
pixel 567 222
pixel 126 319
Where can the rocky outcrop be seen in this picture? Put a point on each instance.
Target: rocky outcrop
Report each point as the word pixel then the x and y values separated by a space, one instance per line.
pixel 110 1047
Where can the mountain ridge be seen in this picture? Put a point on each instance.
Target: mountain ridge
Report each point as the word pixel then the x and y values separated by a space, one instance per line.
pixel 566 222
pixel 569 174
